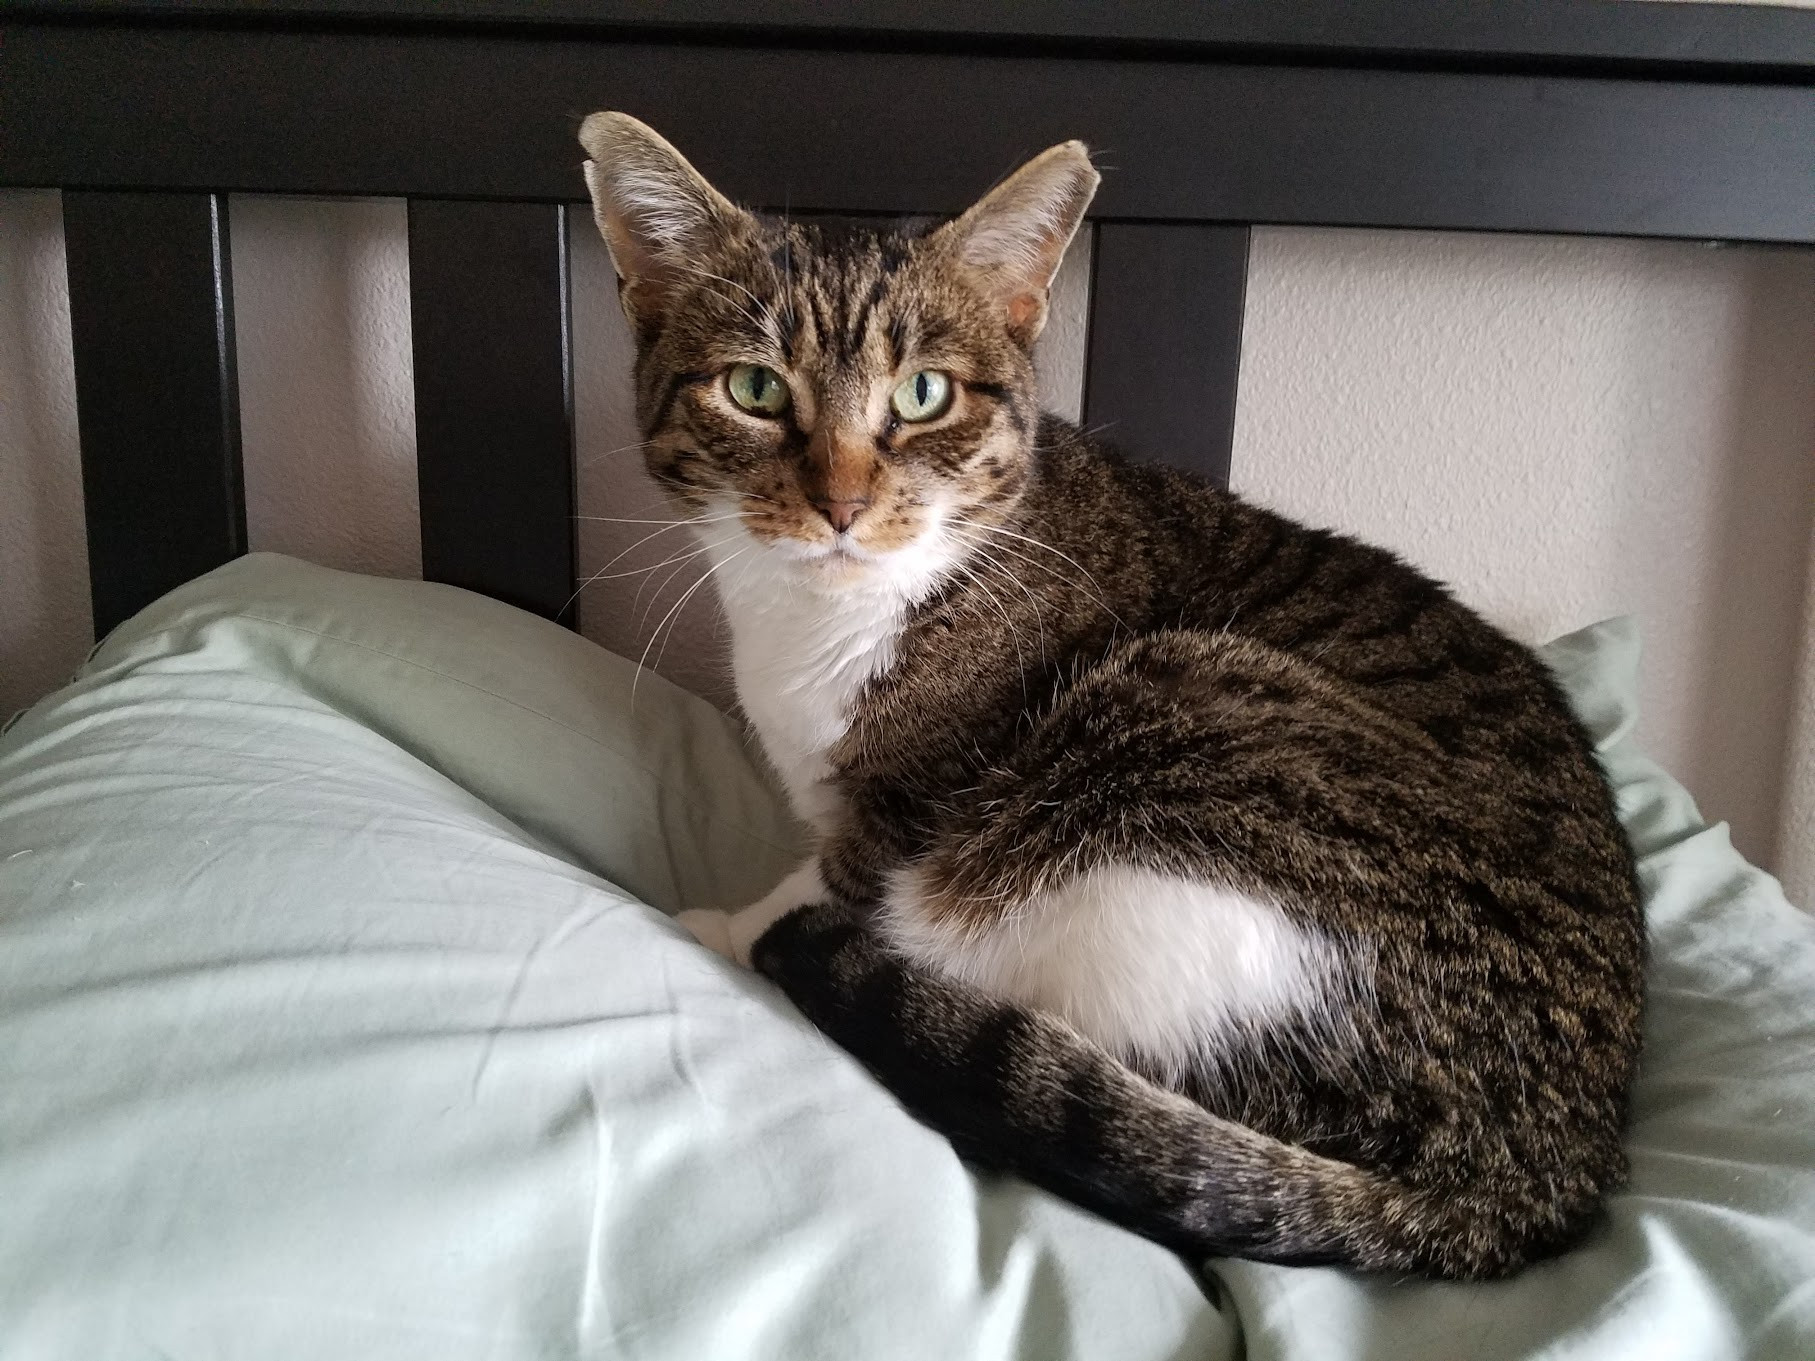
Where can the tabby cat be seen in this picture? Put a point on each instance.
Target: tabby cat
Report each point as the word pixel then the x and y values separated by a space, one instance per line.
pixel 1223 875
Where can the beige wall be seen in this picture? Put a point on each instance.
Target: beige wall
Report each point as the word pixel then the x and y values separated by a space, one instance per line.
pixel 1563 429
pixel 1566 429
pixel 322 320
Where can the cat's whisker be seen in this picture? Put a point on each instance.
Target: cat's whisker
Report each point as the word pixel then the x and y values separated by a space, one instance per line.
pixel 1013 633
pixel 1037 543
pixel 645 571
pixel 591 459
pixel 673 611
pixel 680 561
pixel 644 611
pixel 606 574
pixel 762 305
pixel 990 560
pixel 672 525
pixel 1089 584
pixel 597 577
pixel 626 520
pixel 663 650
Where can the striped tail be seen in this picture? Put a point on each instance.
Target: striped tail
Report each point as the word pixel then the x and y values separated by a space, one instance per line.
pixel 1021 1091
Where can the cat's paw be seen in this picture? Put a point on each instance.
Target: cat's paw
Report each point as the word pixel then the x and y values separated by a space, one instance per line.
pixel 710 928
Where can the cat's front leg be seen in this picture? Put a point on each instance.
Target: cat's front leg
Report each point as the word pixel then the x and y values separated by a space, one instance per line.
pixel 733 934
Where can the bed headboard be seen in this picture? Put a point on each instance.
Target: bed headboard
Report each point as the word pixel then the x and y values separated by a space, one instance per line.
pixel 1616 117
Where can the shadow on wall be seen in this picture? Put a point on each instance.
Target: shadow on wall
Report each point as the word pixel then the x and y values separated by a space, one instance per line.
pixel 45 623
pixel 1739 755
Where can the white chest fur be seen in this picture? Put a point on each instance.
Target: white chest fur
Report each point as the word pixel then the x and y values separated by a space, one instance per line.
pixel 800 659
pixel 800 655
pixel 801 652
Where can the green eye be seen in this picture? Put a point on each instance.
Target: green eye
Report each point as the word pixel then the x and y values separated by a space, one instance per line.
pixel 756 388
pixel 922 396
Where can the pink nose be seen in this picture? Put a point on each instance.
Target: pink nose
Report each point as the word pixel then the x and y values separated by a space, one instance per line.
pixel 841 515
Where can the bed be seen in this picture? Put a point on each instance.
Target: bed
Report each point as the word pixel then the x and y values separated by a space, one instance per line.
pixel 339 1010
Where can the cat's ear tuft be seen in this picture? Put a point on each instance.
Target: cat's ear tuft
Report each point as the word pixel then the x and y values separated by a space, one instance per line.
pixel 655 211
pixel 1012 239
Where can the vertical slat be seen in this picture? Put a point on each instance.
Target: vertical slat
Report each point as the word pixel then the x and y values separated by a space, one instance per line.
pixel 494 399
pixel 1165 341
pixel 157 394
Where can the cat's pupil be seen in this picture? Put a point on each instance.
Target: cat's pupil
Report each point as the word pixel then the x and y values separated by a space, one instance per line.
pixel 920 388
pixel 758 382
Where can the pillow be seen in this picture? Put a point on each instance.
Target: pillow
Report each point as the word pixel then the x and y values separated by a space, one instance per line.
pixel 333 1023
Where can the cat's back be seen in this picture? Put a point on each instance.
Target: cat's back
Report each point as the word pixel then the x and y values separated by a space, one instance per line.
pixel 1166 549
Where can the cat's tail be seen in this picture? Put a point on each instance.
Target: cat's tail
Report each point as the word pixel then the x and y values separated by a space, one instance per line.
pixel 1022 1091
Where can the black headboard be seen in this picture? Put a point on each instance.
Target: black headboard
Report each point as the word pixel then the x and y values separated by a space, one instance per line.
pixel 1613 117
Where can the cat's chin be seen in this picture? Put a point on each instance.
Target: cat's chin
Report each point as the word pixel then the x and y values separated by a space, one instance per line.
pixel 840 568
pixel 845 568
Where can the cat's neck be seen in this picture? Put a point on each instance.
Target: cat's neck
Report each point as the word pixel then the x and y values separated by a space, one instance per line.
pixel 801 654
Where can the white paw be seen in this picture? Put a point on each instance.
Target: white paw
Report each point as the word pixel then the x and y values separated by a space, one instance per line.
pixel 710 928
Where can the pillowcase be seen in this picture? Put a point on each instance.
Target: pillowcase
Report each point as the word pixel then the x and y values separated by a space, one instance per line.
pixel 333 1022
pixel 331 1025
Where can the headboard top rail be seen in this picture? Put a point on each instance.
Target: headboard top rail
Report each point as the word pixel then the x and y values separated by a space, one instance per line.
pixel 1637 37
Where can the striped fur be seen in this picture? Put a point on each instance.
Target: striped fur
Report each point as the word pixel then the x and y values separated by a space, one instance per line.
pixel 1224 875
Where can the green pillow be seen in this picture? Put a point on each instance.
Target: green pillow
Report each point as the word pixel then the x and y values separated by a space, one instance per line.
pixel 331 1026
pixel 333 1023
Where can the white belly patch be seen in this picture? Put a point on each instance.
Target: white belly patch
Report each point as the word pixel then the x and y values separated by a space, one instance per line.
pixel 1155 966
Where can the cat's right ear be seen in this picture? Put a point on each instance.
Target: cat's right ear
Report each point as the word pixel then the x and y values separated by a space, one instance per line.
pixel 655 211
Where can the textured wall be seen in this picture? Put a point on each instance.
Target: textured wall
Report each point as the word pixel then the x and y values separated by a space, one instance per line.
pixel 1796 820
pixel 45 624
pixel 1563 429
pixel 328 415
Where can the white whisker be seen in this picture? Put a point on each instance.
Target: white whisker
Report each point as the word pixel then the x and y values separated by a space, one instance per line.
pixel 590 459
pixel 605 573
pixel 672 611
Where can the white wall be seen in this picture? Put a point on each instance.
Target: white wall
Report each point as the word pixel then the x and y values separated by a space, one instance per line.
pixel 1566 429
pixel 322 322
pixel 1561 428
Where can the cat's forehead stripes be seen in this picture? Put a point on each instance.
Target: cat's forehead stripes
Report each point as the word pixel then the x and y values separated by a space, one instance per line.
pixel 846 280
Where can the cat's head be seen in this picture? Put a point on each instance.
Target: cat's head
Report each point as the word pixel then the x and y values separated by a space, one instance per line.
pixel 848 406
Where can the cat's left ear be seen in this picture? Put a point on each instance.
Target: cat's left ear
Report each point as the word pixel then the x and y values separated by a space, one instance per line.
pixel 1012 239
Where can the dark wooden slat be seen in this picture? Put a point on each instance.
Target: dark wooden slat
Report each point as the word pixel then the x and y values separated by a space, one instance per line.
pixel 474 115
pixel 1602 32
pixel 1165 341
pixel 157 392
pixel 494 405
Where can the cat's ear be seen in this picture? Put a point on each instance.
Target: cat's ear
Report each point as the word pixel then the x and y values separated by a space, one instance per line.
pixel 655 211
pixel 1012 239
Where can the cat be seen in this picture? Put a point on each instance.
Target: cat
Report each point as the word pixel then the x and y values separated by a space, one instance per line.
pixel 1225 876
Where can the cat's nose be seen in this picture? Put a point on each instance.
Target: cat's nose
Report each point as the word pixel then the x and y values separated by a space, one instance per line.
pixel 841 515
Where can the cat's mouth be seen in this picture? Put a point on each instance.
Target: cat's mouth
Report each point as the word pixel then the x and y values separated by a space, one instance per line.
pixel 842 550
